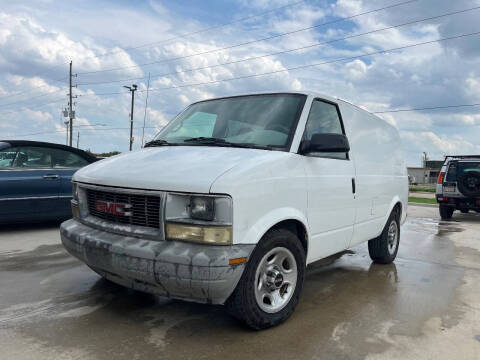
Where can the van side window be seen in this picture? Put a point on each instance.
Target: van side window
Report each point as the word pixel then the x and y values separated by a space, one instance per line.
pixel 324 118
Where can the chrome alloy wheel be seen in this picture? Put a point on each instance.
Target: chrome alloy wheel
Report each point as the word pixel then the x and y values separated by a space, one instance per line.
pixel 392 237
pixel 275 280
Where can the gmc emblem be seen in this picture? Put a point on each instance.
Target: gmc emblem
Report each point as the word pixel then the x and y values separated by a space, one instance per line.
pixel 109 207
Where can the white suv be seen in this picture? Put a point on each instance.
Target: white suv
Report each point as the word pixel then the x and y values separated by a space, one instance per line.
pixel 235 196
pixel 458 185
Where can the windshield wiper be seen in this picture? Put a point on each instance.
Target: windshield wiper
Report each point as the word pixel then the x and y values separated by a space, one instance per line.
pixel 202 140
pixel 209 140
pixel 158 142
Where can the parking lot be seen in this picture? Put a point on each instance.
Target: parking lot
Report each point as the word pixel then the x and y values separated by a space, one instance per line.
pixel 425 306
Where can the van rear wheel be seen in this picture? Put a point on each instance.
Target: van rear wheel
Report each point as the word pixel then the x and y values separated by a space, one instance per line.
pixel 270 287
pixel 446 212
pixel 383 249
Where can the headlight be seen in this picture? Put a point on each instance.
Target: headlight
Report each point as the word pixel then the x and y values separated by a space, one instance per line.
pixel 216 235
pixel 202 208
pixel 199 218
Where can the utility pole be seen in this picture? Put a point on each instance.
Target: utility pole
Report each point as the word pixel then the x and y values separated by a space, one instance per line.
pixel 66 127
pixel 71 113
pixel 145 113
pixel 70 104
pixel 425 158
pixel 132 89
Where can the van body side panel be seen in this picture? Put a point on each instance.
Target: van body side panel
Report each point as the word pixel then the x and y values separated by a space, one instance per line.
pixel 380 170
pixel 266 190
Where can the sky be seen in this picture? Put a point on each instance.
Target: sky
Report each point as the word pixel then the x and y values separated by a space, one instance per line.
pixel 195 50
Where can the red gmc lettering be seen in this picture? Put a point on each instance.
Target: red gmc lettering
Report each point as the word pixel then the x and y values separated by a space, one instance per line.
pixel 112 208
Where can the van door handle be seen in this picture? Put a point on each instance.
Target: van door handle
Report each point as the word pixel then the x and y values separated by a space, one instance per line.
pixel 50 176
pixel 353 186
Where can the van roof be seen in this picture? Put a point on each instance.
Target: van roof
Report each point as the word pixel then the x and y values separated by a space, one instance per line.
pixel 307 93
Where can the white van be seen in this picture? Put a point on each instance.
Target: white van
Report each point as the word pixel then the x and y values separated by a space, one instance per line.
pixel 236 195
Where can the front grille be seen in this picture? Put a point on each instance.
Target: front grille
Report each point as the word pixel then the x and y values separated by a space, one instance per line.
pixel 145 209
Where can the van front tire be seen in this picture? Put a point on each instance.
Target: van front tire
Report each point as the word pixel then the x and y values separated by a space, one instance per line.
pixel 383 249
pixel 270 287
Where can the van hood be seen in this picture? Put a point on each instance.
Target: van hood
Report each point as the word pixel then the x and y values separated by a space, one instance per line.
pixel 169 168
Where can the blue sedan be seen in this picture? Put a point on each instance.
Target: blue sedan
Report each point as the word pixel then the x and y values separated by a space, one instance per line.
pixel 35 180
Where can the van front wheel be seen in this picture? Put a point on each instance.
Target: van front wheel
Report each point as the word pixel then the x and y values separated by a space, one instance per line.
pixel 270 287
pixel 383 250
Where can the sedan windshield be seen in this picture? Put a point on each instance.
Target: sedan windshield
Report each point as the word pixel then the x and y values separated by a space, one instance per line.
pixel 265 121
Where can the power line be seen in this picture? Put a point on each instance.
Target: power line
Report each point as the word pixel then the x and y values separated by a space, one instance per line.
pixel 31 98
pixel 96 129
pixel 298 67
pixel 316 64
pixel 107 93
pixel 159 42
pixel 197 32
pixel 156 127
pixel 248 42
pixel 288 50
pixel 426 108
pixel 181 35
pixel 31 89
pixel 30 107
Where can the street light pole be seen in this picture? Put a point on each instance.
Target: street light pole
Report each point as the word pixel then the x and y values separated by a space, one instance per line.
pixel 71 105
pixel 132 89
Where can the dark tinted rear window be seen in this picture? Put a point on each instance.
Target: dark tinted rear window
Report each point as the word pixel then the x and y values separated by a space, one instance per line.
pixel 457 169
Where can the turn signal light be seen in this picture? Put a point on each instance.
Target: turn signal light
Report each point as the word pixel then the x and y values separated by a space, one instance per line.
pixel 440 178
pixel 237 261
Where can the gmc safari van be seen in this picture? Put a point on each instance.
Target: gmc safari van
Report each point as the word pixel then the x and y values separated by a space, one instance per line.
pixel 236 196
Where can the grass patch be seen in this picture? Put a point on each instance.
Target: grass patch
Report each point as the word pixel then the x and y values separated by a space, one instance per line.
pixel 420 200
pixel 430 189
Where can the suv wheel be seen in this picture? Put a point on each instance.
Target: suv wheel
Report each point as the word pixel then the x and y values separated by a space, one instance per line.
pixel 383 250
pixel 270 287
pixel 446 212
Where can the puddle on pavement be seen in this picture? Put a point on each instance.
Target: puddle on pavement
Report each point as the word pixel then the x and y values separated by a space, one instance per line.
pixel 432 226
pixel 42 257
pixel 347 306
pixel 342 308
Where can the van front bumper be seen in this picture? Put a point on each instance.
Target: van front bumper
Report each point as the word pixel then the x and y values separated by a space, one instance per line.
pixel 180 270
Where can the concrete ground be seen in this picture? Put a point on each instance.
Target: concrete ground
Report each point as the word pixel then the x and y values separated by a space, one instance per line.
pixel 424 306
pixel 422 194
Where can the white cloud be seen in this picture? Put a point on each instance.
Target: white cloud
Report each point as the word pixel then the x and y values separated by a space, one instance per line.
pixel 440 145
pixel 32 40
pixel 28 48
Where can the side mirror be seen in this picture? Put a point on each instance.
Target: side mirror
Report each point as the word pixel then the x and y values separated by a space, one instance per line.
pixel 328 143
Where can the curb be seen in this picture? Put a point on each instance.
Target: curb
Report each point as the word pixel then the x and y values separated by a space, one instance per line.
pixel 421 204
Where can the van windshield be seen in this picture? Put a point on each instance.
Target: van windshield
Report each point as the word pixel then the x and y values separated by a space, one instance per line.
pixel 250 121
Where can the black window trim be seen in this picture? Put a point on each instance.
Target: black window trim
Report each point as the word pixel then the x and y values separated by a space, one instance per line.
pixel 341 124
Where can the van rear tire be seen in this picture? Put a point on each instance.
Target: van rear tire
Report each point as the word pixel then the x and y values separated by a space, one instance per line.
pixel 261 282
pixel 383 249
pixel 446 212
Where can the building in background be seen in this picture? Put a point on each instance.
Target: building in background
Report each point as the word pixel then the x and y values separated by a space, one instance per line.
pixel 427 174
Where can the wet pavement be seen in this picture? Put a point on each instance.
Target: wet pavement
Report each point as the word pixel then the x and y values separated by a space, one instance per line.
pixel 424 306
